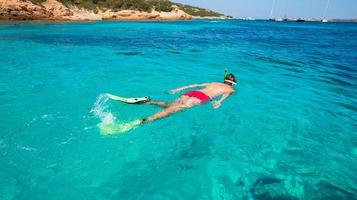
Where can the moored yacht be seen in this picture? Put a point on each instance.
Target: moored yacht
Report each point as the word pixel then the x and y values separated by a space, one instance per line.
pixel 325 12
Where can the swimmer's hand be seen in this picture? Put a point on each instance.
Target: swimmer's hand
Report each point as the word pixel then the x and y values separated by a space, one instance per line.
pixel 216 104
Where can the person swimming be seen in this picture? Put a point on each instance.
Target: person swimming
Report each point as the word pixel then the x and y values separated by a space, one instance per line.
pixel 185 101
pixel 195 97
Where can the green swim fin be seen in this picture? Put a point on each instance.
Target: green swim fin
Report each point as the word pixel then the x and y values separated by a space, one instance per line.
pixel 118 128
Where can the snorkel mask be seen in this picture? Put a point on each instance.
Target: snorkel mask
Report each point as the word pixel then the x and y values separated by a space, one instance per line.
pixel 226 80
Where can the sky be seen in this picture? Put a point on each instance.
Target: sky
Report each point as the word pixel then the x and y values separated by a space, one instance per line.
pixel 338 9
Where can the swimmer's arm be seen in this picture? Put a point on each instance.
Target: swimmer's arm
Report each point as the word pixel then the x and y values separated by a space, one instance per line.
pixel 187 87
pixel 217 104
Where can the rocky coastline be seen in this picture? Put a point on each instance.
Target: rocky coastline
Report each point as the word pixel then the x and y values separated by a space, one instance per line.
pixel 52 10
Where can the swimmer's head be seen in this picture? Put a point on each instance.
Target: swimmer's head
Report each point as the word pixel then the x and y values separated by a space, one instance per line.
pixel 230 79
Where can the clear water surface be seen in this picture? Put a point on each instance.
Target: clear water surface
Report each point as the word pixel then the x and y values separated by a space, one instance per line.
pixel 289 132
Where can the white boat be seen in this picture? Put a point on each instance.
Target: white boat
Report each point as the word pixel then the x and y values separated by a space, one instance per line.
pixel 285 19
pixel 325 12
pixel 271 11
pixel 247 18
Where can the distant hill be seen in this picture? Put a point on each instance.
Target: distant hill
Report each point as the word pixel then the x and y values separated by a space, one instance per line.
pixel 139 5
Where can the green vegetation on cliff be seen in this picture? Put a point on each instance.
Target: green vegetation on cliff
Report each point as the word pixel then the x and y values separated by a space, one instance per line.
pixel 196 11
pixel 141 5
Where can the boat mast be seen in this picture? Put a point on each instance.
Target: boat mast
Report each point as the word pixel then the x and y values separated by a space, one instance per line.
pixel 326 7
pixel 272 9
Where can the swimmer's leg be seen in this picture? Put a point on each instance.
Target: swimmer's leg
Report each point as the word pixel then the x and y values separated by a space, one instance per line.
pixel 158 103
pixel 180 104
pixel 173 108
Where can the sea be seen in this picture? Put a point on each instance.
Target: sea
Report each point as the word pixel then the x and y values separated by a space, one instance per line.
pixel 288 132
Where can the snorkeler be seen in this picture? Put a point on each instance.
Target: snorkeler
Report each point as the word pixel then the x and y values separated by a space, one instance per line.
pixel 195 97
pixel 186 100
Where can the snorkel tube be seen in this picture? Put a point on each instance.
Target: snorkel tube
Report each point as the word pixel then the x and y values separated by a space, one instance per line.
pixel 225 73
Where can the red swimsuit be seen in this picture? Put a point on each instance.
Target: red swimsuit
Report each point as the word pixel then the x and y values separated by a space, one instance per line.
pixel 199 95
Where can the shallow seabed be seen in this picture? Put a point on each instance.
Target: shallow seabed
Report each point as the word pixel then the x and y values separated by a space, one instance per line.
pixel 289 132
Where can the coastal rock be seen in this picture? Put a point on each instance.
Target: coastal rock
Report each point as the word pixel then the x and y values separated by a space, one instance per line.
pixel 139 15
pixel 82 15
pixel 26 10
pixel 54 10
pixel 57 9
pixel 175 14
pixel 15 9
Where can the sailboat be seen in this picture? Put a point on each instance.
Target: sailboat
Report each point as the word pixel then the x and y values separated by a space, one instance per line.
pixel 285 19
pixel 325 12
pixel 271 11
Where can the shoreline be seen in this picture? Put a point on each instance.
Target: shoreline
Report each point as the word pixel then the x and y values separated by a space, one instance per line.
pixel 212 17
pixel 139 16
pixel 83 21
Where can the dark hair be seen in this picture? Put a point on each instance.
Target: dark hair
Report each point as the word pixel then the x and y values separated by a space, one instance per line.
pixel 230 77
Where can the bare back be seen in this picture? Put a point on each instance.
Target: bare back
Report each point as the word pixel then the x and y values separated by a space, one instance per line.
pixel 216 89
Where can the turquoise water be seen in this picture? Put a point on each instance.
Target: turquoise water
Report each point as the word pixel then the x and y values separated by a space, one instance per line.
pixel 289 132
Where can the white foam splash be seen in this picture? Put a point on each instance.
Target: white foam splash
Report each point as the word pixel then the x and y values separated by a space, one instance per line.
pixel 100 109
pixel 109 125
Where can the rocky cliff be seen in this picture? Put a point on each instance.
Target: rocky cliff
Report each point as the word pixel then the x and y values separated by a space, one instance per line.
pixel 55 10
